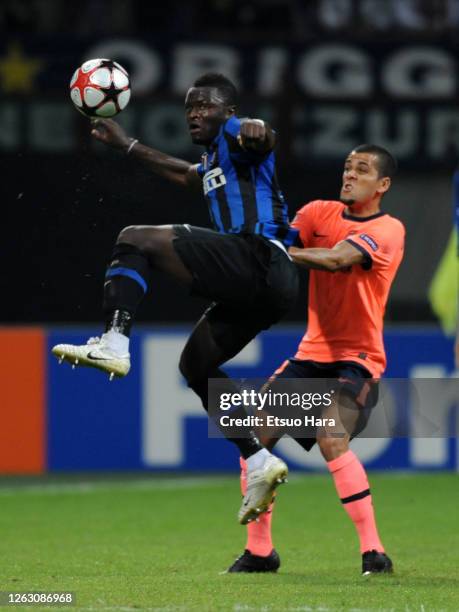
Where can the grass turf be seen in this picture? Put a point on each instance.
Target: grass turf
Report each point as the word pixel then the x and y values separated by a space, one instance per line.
pixel 159 544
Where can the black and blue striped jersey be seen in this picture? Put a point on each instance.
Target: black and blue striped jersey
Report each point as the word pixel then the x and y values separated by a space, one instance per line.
pixel 242 190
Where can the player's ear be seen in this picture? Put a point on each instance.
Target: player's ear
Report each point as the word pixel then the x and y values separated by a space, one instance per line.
pixel 384 184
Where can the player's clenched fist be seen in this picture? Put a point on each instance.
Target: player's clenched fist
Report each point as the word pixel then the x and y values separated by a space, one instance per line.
pixel 110 133
pixel 255 134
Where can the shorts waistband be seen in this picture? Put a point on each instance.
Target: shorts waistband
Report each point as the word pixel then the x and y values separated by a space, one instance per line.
pixel 279 244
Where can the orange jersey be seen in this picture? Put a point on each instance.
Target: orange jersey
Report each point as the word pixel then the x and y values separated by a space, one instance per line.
pixel 346 308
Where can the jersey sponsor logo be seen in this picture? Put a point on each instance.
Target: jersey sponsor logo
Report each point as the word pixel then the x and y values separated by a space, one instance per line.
pixel 369 240
pixel 213 180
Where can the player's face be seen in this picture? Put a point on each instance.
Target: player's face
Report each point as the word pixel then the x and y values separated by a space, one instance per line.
pixel 361 181
pixel 205 112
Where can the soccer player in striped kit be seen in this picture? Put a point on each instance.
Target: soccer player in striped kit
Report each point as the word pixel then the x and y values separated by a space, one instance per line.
pixel 241 266
pixel 353 251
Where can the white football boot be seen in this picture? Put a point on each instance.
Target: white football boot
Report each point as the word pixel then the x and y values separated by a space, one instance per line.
pixel 96 353
pixel 261 484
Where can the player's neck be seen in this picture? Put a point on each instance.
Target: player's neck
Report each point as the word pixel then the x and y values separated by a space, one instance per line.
pixel 364 209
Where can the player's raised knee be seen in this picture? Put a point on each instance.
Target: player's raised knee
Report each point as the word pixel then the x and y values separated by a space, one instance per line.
pixel 147 238
pixel 130 235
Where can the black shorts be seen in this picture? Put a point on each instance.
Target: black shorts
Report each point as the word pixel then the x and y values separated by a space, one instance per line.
pixel 353 378
pixel 350 378
pixel 245 273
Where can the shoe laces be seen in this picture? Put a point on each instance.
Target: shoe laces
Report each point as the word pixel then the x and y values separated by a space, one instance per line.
pixel 93 340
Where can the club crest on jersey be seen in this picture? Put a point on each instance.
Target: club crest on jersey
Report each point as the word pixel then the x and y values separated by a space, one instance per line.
pixel 369 240
pixel 213 180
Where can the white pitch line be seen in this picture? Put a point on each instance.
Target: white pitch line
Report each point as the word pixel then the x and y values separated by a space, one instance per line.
pixel 162 484
pixel 107 485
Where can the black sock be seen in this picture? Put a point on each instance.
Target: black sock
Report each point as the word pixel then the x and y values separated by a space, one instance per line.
pixel 248 445
pixel 119 321
pixel 126 283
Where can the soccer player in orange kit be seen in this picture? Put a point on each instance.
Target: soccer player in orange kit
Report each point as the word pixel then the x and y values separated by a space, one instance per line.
pixel 363 247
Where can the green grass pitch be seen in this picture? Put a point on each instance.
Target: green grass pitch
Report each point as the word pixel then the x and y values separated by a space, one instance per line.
pixel 150 543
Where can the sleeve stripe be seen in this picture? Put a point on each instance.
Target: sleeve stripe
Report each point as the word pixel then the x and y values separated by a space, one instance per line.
pixel 367 259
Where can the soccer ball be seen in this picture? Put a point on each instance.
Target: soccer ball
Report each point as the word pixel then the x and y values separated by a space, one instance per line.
pixel 100 88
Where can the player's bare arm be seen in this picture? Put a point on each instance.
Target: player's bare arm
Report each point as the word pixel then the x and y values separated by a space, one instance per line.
pixel 341 256
pixel 171 168
pixel 256 135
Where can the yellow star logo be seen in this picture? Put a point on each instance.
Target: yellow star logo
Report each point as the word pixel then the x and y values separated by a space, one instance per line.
pixel 18 72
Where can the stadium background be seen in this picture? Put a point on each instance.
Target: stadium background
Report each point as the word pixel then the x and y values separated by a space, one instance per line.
pixel 329 75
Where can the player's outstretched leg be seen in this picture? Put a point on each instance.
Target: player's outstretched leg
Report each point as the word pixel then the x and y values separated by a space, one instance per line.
pixel 219 335
pixel 138 250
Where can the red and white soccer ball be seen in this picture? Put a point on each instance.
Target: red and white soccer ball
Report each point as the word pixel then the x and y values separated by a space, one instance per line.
pixel 100 88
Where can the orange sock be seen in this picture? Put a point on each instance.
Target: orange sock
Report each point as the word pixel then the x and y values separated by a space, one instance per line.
pixel 259 540
pixel 354 491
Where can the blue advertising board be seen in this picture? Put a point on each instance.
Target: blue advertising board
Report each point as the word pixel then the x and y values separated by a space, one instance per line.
pixel 150 420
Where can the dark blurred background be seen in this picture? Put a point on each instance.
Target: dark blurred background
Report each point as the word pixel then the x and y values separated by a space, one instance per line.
pixel 328 74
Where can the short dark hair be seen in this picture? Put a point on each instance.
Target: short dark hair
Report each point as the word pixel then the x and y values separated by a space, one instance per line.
pixel 220 82
pixel 387 164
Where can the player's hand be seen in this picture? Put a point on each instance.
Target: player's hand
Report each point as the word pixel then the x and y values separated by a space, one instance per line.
pixel 253 134
pixel 110 133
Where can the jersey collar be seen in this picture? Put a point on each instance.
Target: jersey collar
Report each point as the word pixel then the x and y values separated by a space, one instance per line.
pixel 229 122
pixel 345 215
